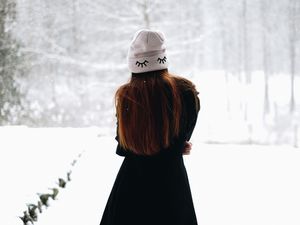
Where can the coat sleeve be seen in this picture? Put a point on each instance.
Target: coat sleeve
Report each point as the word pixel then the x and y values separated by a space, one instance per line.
pixel 119 150
pixel 193 103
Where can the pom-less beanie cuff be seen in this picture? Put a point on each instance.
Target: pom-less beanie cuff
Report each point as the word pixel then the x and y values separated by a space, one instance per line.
pixel 145 64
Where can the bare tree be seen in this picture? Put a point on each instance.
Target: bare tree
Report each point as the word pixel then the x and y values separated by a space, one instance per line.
pixel 10 103
pixel 145 6
pixel 244 56
pixel 246 42
pixel 293 11
pixel 224 28
pixel 266 53
pixel 75 25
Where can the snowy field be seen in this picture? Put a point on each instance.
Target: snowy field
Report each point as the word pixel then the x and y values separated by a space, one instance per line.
pixel 231 184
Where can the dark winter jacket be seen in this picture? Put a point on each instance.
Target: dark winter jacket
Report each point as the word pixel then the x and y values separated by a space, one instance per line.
pixel 191 108
pixel 155 190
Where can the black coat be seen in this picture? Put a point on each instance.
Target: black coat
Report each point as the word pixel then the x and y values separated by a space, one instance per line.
pixel 155 190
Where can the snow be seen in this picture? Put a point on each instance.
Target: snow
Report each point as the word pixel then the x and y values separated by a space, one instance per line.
pixel 231 184
pixel 234 112
pixel 32 160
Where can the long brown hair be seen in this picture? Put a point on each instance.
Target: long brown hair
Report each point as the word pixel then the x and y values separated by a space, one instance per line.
pixel 148 110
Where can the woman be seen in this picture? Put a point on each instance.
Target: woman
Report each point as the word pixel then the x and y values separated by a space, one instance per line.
pixel 156 115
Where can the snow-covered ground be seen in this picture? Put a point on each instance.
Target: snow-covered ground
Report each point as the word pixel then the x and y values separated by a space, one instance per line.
pixel 225 106
pixel 231 184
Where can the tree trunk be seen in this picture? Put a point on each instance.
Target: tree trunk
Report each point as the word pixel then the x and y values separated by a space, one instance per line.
pixel 146 13
pixel 9 90
pixel 292 50
pixel 246 56
pixel 266 56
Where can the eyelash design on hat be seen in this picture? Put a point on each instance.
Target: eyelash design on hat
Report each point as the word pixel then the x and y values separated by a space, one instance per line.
pixel 141 64
pixel 163 60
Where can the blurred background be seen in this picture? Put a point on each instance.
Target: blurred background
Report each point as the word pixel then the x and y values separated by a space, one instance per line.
pixel 61 62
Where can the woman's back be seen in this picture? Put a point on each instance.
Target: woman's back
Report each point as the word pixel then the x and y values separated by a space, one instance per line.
pixel 190 106
pixel 156 114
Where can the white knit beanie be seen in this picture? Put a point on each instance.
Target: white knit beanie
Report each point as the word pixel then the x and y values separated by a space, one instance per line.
pixel 147 52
